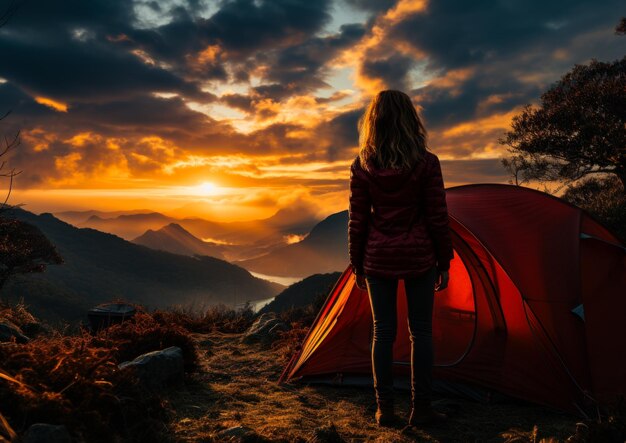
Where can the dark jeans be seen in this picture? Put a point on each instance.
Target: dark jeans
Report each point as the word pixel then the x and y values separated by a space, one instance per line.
pixel 420 292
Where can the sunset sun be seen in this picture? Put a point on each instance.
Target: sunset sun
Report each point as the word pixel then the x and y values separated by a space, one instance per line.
pixel 206 188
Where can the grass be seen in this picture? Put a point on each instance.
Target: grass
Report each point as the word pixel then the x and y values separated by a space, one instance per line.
pixel 236 386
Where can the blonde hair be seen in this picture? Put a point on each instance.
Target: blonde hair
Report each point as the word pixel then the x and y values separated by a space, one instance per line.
pixel 391 133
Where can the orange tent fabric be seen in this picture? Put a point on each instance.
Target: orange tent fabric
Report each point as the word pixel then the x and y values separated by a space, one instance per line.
pixel 535 308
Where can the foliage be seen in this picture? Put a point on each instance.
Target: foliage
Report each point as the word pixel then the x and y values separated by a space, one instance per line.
pixel 145 333
pixel 74 380
pixel 579 128
pixel 603 198
pixel 17 314
pixel 24 249
pixel 217 318
pixel 9 143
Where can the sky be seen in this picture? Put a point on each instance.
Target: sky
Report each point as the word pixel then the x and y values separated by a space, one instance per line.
pixel 233 109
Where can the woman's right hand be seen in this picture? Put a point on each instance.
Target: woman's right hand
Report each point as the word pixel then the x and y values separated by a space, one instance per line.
pixel 442 280
pixel 360 282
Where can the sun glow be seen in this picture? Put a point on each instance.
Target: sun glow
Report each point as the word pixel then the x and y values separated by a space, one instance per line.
pixel 205 188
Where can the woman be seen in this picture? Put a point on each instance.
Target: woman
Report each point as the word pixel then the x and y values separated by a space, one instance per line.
pixel 398 229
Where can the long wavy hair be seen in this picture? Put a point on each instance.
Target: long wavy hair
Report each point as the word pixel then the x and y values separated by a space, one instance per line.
pixel 391 133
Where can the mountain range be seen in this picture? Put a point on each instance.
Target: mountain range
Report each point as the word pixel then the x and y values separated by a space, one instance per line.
pixel 240 239
pixel 101 266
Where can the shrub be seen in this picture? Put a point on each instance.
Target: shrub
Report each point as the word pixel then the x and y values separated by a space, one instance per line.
pixel 217 318
pixel 74 380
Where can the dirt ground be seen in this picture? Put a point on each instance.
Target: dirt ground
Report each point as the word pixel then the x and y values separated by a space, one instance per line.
pixel 236 387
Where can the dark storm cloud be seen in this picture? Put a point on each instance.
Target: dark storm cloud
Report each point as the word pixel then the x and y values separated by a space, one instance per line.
pixel 47 16
pixel 340 134
pixel 297 69
pixel 238 101
pixel 72 70
pixel 444 107
pixel 305 64
pixel 371 5
pixel 508 48
pixel 456 33
pixel 393 70
pixel 241 28
pixel 244 26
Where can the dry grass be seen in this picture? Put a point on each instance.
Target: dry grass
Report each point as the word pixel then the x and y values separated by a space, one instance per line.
pixel 236 386
pixel 17 314
pixel 215 318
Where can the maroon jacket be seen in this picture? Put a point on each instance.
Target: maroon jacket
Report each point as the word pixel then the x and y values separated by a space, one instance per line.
pixel 398 220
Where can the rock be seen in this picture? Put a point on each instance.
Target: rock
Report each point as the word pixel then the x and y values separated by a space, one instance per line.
pixel 236 433
pixel 8 330
pixel 264 329
pixel 158 368
pixel 45 433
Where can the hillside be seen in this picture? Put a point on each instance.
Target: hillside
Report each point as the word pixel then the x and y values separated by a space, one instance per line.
pixel 174 238
pixel 303 293
pixel 324 250
pixel 100 266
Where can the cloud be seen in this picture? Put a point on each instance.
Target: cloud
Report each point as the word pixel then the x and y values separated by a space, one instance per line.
pixel 392 71
pixel 265 95
pixel 68 70
pixel 454 33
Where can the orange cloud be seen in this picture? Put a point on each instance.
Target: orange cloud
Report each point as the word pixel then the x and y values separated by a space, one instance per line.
pixel 56 105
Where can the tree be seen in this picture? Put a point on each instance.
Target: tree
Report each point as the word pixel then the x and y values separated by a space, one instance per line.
pixel 12 142
pixel 578 130
pixel 603 198
pixel 23 249
pixel 621 27
pixel 9 143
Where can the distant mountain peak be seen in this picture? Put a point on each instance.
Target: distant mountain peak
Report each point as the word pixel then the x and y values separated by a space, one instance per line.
pixel 176 227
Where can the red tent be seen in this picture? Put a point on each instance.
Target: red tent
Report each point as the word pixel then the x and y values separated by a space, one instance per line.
pixel 535 308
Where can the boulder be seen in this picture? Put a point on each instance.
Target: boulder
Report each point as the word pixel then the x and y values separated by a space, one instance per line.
pixel 9 330
pixel 158 368
pixel 264 329
pixel 45 433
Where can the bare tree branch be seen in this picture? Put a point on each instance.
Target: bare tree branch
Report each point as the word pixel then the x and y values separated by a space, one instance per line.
pixel 9 12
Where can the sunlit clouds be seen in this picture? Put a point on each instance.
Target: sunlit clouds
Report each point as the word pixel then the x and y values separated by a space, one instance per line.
pixel 57 106
pixel 232 110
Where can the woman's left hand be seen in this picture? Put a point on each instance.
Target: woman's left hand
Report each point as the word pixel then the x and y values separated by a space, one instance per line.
pixel 442 280
pixel 360 282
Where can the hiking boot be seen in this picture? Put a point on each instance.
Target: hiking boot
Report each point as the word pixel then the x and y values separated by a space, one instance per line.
pixel 385 415
pixel 422 414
